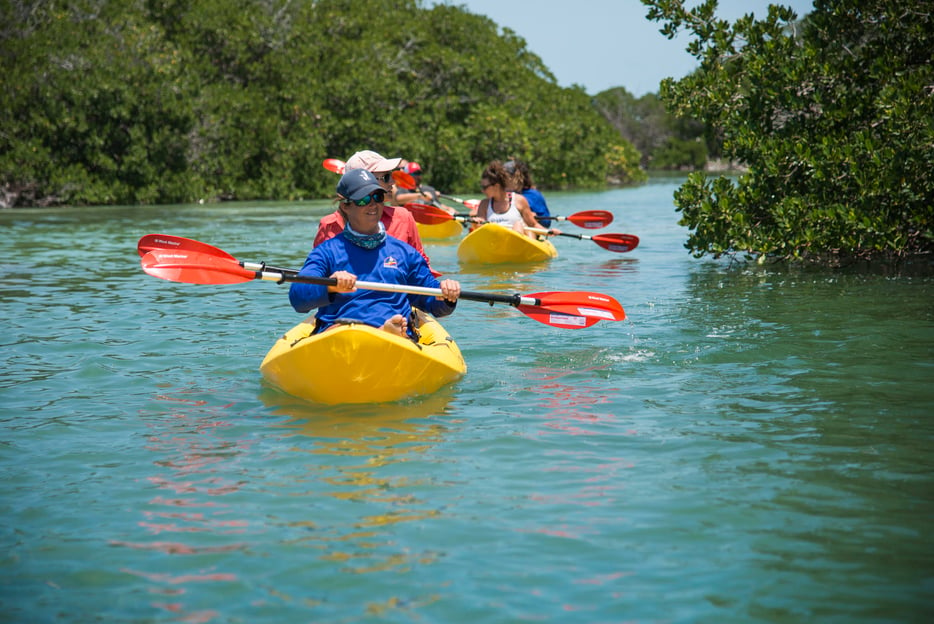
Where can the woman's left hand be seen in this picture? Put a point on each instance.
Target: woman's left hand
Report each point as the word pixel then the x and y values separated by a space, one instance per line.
pixel 450 290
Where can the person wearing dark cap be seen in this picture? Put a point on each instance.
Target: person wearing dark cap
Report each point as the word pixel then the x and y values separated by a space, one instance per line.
pixel 373 255
pixel 399 222
pixel 421 193
pixel 522 183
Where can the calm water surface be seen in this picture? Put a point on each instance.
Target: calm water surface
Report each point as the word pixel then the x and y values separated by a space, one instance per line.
pixel 751 445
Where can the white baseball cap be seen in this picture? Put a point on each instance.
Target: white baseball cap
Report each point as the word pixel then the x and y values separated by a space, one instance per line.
pixel 371 161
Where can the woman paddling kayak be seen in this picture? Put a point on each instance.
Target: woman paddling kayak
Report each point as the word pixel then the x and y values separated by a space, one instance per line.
pixel 363 250
pixel 502 206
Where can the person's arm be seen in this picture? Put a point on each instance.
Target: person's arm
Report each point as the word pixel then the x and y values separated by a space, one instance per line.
pixel 306 297
pixel 405 197
pixel 481 212
pixel 528 217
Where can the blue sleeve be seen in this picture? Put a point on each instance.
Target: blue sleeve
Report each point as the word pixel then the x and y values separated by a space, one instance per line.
pixel 538 205
pixel 306 297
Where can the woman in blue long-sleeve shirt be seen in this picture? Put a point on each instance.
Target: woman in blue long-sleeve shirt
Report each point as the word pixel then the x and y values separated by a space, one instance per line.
pixel 364 251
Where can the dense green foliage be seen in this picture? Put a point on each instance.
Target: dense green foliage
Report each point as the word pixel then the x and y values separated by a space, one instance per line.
pixel 158 101
pixel 664 140
pixel 834 116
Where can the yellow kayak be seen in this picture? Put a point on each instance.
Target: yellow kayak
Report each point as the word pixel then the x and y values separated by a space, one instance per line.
pixel 448 229
pixel 494 244
pixel 357 363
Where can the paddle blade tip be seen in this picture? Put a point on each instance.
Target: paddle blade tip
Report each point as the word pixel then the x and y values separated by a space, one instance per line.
pixel 575 310
pixel 193 268
pixel 556 318
pixel 620 243
pixel 428 215
pixel 333 165
pixel 591 219
pixel 403 179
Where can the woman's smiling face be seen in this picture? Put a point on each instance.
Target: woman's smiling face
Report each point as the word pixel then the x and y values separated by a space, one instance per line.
pixel 365 219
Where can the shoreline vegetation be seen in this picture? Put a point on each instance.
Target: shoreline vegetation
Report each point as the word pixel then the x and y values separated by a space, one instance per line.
pixel 158 103
pixel 830 112
pixel 788 157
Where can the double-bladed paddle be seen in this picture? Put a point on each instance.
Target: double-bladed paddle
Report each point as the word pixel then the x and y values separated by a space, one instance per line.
pixel 431 215
pixel 334 165
pixel 620 243
pixel 588 219
pixel 473 204
pixel 194 262
pixel 427 214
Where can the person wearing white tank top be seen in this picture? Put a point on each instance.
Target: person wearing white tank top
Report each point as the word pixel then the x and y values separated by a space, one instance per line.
pixel 500 206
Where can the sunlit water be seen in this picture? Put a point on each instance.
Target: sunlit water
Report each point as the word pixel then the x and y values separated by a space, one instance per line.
pixel 751 445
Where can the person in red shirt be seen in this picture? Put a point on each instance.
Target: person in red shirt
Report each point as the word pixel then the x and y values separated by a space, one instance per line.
pixel 399 222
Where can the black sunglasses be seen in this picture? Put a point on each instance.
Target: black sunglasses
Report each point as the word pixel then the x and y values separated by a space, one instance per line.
pixel 377 196
pixel 386 177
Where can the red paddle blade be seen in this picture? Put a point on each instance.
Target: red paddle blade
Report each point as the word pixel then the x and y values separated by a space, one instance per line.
pixel 591 219
pixel 403 179
pixel 334 165
pixel 617 242
pixel 428 215
pixel 193 267
pixel 548 316
pixel 581 303
pixel 167 242
pixel 473 204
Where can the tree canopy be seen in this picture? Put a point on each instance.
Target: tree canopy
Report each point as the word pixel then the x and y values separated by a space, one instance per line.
pixel 833 117
pixel 663 140
pixel 162 101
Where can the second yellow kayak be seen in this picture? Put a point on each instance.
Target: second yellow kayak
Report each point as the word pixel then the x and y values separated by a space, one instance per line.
pixel 494 244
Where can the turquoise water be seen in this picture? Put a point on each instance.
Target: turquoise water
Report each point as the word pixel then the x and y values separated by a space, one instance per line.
pixel 751 445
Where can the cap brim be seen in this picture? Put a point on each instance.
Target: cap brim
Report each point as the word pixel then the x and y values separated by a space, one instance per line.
pixel 361 193
pixel 389 164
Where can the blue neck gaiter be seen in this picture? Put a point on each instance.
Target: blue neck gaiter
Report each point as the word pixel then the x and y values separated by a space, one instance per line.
pixel 367 241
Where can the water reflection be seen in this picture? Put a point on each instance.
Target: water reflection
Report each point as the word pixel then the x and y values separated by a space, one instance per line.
pixel 583 480
pixel 500 276
pixel 502 281
pixel 369 455
pixel 612 268
pixel 191 519
pixel 869 328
